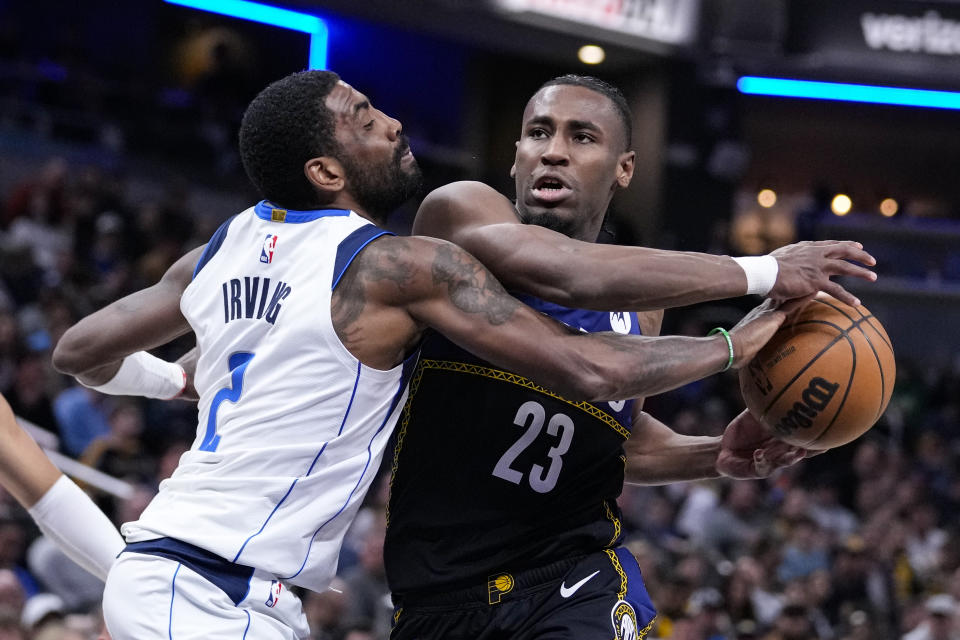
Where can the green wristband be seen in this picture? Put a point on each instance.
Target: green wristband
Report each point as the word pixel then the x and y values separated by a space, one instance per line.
pixel 726 335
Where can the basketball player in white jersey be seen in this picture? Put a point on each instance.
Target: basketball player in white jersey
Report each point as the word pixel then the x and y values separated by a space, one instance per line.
pixel 307 316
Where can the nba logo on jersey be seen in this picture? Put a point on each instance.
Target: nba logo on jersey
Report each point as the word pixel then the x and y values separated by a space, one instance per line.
pixel 266 253
pixel 275 587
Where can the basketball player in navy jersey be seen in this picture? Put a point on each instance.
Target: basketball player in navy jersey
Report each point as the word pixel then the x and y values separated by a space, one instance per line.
pixel 503 520
pixel 306 315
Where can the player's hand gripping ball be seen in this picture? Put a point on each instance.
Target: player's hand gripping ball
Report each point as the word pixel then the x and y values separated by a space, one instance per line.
pixel 824 378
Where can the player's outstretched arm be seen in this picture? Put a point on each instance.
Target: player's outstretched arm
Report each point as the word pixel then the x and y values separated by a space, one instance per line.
pixel 106 350
pixel 441 286
pixel 656 454
pixel 63 512
pixel 541 262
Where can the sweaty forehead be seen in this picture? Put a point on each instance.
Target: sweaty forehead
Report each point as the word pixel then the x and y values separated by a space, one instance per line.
pixel 561 103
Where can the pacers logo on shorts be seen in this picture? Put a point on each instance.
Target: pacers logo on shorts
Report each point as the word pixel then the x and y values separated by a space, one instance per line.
pixel 497 586
pixel 624 620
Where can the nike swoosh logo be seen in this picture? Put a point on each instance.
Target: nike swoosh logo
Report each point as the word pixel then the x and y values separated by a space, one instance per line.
pixel 566 592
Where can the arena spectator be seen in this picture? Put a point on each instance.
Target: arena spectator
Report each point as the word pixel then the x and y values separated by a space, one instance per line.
pixel 81 417
pixel 940 622
pixel 367 584
pixel 325 611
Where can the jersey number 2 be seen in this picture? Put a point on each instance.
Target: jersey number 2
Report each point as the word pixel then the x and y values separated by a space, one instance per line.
pixel 539 481
pixel 238 366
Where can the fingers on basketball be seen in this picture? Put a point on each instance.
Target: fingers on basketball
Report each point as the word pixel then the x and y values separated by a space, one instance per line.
pixel 824 378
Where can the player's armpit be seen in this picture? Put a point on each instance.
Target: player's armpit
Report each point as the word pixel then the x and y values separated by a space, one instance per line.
pixel 93 348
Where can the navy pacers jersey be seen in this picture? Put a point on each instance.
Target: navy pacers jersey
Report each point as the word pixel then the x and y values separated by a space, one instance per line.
pixel 492 472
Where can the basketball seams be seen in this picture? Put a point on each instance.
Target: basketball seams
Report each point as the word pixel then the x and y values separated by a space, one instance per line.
pixel 846 393
pixel 876 356
pixel 805 413
pixel 842 334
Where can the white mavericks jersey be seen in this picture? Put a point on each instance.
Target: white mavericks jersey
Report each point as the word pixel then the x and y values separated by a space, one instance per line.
pixel 291 426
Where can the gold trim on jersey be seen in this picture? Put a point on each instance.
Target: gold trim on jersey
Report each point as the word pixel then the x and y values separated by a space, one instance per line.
pixel 503 376
pixel 622 594
pixel 402 430
pixel 513 378
pixel 615 561
pixel 615 521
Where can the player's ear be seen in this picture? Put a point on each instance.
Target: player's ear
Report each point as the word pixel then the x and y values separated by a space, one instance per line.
pixel 513 169
pixel 325 173
pixel 625 166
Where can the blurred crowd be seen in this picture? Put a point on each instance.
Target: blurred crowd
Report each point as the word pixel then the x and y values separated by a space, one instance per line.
pixel 860 542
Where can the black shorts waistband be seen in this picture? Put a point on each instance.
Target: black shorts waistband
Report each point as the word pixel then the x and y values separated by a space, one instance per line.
pixel 233 579
pixel 498 587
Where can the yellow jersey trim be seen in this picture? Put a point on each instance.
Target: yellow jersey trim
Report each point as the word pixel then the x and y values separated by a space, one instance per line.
pixel 513 378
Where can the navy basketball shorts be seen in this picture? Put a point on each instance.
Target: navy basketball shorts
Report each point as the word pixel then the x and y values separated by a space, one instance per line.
pixel 600 596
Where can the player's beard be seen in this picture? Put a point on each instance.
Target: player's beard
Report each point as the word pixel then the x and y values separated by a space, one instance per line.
pixel 380 189
pixel 548 219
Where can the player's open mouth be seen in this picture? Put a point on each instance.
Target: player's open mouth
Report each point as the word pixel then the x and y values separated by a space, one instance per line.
pixel 550 189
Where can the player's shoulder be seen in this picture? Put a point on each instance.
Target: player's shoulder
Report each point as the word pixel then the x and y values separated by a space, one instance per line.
pixel 462 188
pixel 400 259
pixel 407 248
pixel 452 207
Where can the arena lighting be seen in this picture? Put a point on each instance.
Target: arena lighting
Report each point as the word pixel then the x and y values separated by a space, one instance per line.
pixel 889 207
pixel 766 198
pixel 841 204
pixel 275 16
pixel 591 54
pixel 783 87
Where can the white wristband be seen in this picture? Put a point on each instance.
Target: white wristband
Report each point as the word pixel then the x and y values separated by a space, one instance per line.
pixel 142 374
pixel 67 516
pixel 761 273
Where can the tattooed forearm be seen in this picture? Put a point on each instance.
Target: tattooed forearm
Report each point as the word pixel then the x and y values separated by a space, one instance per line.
pixel 471 287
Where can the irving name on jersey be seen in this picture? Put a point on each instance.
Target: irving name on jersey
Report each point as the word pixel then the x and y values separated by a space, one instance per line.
pixel 247 298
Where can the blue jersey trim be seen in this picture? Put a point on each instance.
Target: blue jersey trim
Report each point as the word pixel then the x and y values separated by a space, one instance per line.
pixel 351 246
pixel 233 579
pixel 366 467
pixel 353 394
pixel 346 414
pixel 265 211
pixel 264 525
pixel 248 625
pixel 213 245
pixel 173 593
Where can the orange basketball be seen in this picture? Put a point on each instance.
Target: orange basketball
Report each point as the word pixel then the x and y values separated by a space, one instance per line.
pixel 824 378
